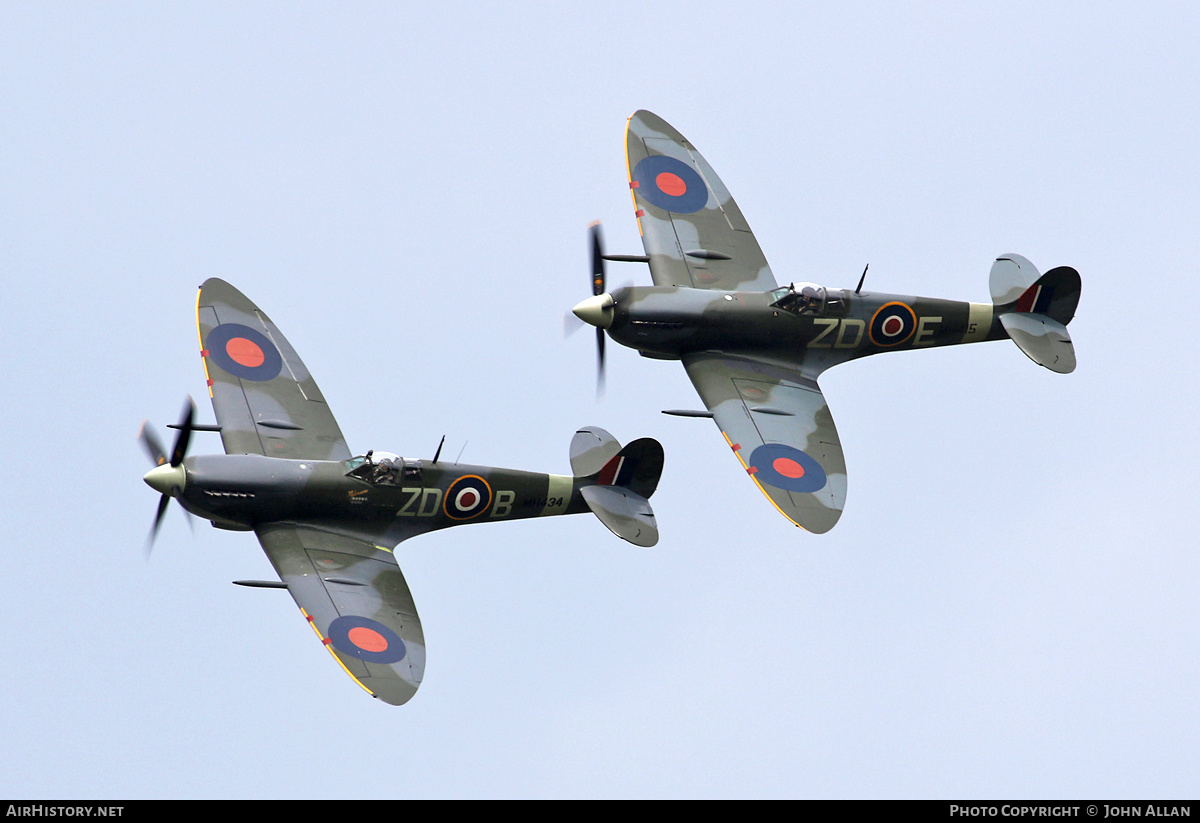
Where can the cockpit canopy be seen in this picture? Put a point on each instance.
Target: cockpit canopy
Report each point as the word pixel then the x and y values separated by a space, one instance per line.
pixel 383 468
pixel 809 298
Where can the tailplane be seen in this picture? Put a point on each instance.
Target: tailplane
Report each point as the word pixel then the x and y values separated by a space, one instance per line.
pixel 618 482
pixel 1036 308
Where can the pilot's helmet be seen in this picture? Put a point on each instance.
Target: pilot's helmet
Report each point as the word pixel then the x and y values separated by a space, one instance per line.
pixel 811 295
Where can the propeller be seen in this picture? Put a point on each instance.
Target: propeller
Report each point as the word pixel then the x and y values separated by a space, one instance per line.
pixel 598 283
pixel 152 444
pixel 598 310
pixel 168 475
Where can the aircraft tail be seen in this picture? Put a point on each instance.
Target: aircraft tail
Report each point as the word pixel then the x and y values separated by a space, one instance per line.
pixel 618 481
pixel 1036 308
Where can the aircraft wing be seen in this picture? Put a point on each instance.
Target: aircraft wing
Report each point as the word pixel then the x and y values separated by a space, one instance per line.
pixel 265 400
pixel 692 230
pixel 356 599
pixel 777 423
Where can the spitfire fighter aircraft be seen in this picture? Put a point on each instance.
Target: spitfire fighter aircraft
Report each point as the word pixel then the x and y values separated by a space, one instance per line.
pixel 754 349
pixel 328 520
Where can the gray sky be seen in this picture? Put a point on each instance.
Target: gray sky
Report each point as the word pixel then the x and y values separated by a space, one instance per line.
pixel 1008 606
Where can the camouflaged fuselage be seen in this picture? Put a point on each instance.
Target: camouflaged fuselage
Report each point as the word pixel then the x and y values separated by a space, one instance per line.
pixel 669 322
pixel 241 491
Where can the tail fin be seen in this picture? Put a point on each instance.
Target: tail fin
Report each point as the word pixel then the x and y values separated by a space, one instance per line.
pixel 618 482
pixel 1035 309
pixel 591 448
pixel 1011 275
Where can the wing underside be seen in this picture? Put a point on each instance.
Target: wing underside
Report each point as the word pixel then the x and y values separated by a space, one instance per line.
pixel 355 598
pixel 779 426
pixel 692 230
pixel 265 400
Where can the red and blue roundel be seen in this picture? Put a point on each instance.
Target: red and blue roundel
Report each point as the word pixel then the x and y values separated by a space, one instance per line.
pixel 366 639
pixel 468 496
pixel 787 468
pixel 892 324
pixel 244 352
pixel 670 184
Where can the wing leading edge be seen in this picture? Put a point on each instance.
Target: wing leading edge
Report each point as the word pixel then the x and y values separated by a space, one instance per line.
pixel 779 426
pixel 354 596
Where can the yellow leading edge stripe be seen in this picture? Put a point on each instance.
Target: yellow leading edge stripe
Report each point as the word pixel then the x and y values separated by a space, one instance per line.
pixel 317 631
pixel 200 337
pixel 629 174
pixel 738 453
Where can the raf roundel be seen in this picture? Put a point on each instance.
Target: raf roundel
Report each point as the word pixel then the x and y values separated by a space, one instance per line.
pixel 366 639
pixel 786 467
pixel 468 496
pixel 892 324
pixel 244 352
pixel 670 184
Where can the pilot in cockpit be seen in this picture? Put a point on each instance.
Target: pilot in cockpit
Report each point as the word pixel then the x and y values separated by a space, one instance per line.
pixel 377 468
pixel 812 297
pixel 386 471
pixel 809 298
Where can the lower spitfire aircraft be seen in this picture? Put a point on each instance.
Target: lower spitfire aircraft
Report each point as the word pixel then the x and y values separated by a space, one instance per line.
pixel 328 521
pixel 754 350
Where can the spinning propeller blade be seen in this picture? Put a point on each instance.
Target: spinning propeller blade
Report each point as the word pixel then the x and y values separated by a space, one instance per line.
pixel 167 476
pixel 152 444
pixel 185 432
pixel 599 280
pixel 163 502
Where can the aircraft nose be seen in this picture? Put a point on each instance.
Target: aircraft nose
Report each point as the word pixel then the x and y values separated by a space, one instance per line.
pixel 165 478
pixel 596 311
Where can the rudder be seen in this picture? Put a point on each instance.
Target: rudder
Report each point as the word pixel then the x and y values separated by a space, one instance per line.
pixel 1055 294
pixel 636 467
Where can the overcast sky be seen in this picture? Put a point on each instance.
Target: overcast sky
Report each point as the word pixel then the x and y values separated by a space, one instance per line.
pixel 1008 606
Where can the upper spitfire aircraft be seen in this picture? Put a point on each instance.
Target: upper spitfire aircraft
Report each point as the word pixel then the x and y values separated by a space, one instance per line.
pixel 328 521
pixel 754 350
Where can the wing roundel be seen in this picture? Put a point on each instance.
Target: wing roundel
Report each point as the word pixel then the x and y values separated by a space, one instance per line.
pixel 265 400
pixel 692 230
pixel 777 424
pixel 355 598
